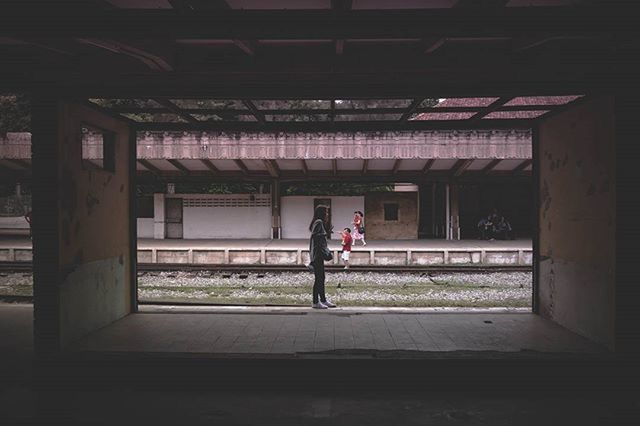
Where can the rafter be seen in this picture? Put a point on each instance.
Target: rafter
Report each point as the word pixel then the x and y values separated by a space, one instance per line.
pixel 410 110
pixel 334 167
pixel 176 109
pixel 155 62
pixel 427 166
pixel 247 46
pixel 255 111
pixel 305 168
pixel 147 165
pixel 496 105
pixel 365 167
pixel 396 166
pixel 243 168
pixel 272 167
pixel 431 45
pixel 18 163
pixel 210 166
pixel 489 167
pixel 520 168
pixel 338 7
pixel 178 165
pixel 460 166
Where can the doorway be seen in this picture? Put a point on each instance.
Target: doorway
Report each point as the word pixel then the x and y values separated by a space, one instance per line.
pixel 173 207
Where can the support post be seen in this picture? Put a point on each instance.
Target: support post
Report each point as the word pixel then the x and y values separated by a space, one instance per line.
pixel 276 229
pixel 159 225
pixel 454 210
pixel 447 212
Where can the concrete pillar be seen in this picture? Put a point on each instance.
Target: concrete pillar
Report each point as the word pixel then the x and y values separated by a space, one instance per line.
pixel 82 241
pixel 276 230
pixel 454 211
pixel 447 215
pixel 159 228
pixel 576 252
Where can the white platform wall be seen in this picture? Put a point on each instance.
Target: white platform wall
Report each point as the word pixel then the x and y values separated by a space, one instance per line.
pixel 13 222
pixel 226 222
pixel 297 211
pixel 145 227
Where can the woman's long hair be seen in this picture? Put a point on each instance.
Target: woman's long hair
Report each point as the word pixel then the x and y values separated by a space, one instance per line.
pixel 319 213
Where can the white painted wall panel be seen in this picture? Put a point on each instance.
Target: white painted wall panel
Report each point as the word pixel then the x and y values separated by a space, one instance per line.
pixel 226 222
pixel 145 227
pixel 13 222
pixel 297 212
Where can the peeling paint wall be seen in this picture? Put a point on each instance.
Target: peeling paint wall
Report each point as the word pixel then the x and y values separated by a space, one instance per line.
pixel 405 228
pixel 577 220
pixel 93 229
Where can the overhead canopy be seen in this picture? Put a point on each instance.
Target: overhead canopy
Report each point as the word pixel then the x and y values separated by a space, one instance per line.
pixel 317 49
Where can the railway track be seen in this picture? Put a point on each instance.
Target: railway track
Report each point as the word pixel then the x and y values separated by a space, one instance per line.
pixel 165 267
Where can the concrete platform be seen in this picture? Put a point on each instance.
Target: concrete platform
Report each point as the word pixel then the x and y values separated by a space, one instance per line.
pixel 147 388
pixel 333 333
pixel 295 252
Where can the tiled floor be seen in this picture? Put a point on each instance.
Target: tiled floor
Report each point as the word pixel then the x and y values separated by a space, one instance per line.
pixel 333 332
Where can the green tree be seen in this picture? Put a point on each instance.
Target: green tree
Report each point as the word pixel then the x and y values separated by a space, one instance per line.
pixel 15 114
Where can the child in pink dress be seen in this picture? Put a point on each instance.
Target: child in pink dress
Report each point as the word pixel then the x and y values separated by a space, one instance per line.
pixel 358 228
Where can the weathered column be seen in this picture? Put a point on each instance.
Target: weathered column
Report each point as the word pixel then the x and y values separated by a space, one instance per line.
pixel 82 240
pixel 275 210
pixel 454 210
pixel 159 225
pixel 45 156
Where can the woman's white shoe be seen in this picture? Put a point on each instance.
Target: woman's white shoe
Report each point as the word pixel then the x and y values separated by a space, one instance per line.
pixel 319 305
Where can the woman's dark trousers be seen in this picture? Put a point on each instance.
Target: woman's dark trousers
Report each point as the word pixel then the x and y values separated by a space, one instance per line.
pixel 318 284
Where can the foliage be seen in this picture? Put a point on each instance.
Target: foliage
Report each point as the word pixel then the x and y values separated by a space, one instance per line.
pixel 220 188
pixel 334 188
pixel 15 114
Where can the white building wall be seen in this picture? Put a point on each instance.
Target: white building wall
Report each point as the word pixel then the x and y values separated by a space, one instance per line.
pixel 297 211
pixel 145 227
pixel 13 222
pixel 226 222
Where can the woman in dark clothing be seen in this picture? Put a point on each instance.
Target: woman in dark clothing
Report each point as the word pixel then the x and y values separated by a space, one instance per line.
pixel 318 253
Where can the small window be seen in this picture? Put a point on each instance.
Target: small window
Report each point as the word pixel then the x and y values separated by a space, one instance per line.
pixel 98 149
pixel 390 211
pixel 145 206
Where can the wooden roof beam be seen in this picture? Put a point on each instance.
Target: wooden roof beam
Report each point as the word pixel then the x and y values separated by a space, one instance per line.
pixel 339 6
pixel 365 167
pixel 427 166
pixel 496 105
pixel 334 167
pixel 178 165
pixel 153 61
pixel 18 163
pixel 411 109
pixel 460 166
pixel 272 168
pixel 176 109
pixel 434 44
pixel 211 166
pixel 247 46
pixel 489 167
pixel 255 111
pixel 305 168
pixel 243 168
pixel 520 168
pixel 396 166
pixel 147 165
pixel 480 4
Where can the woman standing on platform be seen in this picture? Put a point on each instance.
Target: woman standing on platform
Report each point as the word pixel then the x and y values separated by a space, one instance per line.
pixel 318 254
pixel 358 227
